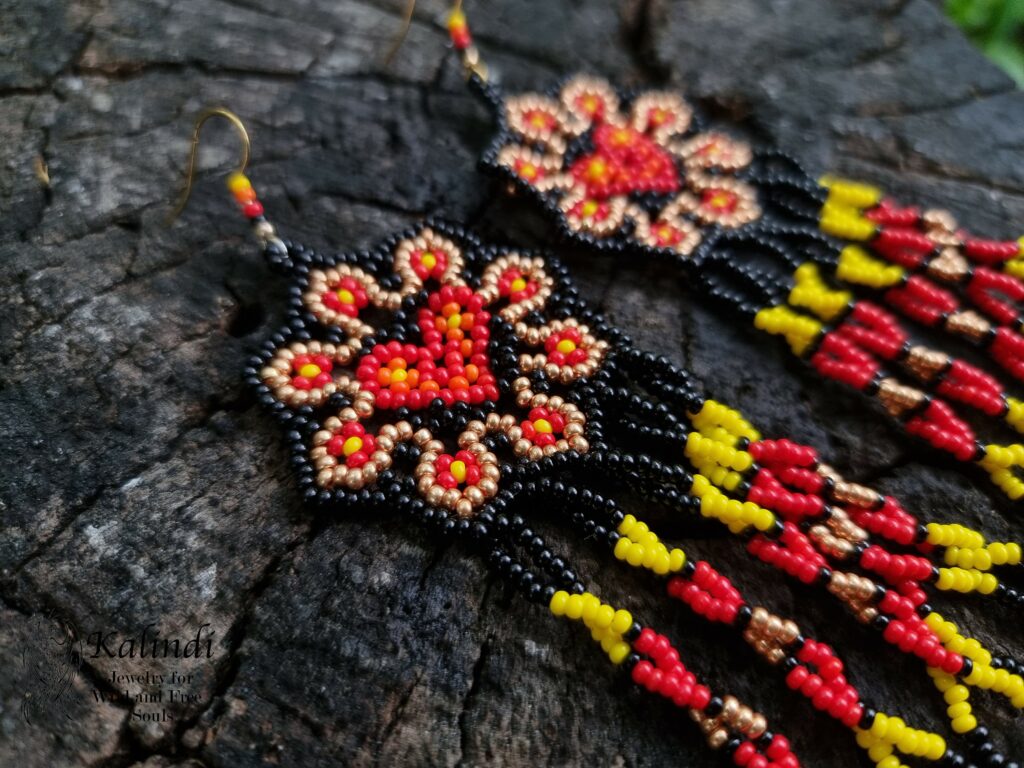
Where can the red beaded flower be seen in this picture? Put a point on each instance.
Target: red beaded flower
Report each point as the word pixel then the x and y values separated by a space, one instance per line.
pixel 304 373
pixel 641 175
pixel 570 350
pixel 348 298
pixel 543 427
pixel 352 444
pixel 449 361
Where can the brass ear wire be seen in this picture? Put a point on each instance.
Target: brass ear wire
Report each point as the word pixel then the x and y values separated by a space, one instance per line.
pixel 205 115
pixel 457 29
pixel 410 7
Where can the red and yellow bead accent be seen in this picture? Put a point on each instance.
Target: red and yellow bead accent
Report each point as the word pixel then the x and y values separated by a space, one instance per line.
pixel 304 373
pixel 571 351
pixel 244 194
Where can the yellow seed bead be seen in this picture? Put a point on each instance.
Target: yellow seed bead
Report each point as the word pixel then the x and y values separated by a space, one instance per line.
pixel 623 620
pixel 238 182
pixel 935 748
pixel 956 694
pixel 1013 553
pixel 964 724
pixel 908 742
pixel 558 602
pixel 880 725
pixel 677 559
pixel 998 552
pixel 879 751
pixel 574 607
pixel 635 555
pixel 889 762
pixel 619 652
pixel 604 617
pixel 662 564
pixel 988 584
pixel 622 548
pixel 867 740
pixel 958 710
pixel 590 606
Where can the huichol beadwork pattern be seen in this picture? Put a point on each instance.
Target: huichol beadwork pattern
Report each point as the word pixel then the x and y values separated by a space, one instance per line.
pixel 470 384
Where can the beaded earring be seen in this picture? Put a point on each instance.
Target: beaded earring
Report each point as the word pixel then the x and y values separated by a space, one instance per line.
pixel 644 174
pixel 462 384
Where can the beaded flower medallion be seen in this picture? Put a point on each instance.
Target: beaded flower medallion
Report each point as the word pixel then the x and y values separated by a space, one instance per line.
pixel 386 353
pixel 619 171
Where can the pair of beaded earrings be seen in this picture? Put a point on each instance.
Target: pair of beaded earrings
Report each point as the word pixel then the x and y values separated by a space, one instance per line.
pixel 459 383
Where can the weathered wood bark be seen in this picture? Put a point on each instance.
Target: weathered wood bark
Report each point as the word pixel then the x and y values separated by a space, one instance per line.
pixel 140 483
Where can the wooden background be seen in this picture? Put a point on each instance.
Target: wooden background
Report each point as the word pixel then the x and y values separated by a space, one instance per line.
pixel 140 483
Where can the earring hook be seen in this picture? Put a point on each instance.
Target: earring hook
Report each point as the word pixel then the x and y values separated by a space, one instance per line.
pixel 457 29
pixel 407 15
pixel 205 115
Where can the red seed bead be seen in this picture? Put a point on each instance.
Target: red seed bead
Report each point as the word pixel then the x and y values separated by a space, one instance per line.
pixel 253 209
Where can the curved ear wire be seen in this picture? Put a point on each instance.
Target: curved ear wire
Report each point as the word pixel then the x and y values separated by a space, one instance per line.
pixel 458 30
pixel 205 115
pixel 410 7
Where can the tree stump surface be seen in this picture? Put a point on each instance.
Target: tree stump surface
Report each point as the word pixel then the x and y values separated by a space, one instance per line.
pixel 141 484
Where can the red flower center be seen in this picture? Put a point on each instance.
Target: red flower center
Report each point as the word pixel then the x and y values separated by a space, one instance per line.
pixel 429 263
pixel 348 297
pixel 543 426
pixel 458 471
pixel 719 200
pixel 540 119
pixel 311 371
pixel 352 445
pixel 625 161
pixel 516 286
pixel 452 364
pixel 565 347
pixel 591 104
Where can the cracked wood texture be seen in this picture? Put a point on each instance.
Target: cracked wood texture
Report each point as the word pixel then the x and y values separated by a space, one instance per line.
pixel 141 484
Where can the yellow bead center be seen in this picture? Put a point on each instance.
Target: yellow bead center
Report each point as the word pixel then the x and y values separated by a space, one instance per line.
pixel 345 296
pixel 458 470
pixel 454 321
pixel 428 260
pixel 518 284
pixel 309 370
pixel 528 170
pixel 565 346
pixel 597 169
pixel 399 374
pixel 720 199
pixel 352 445
pixel 543 425
pixel 590 208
